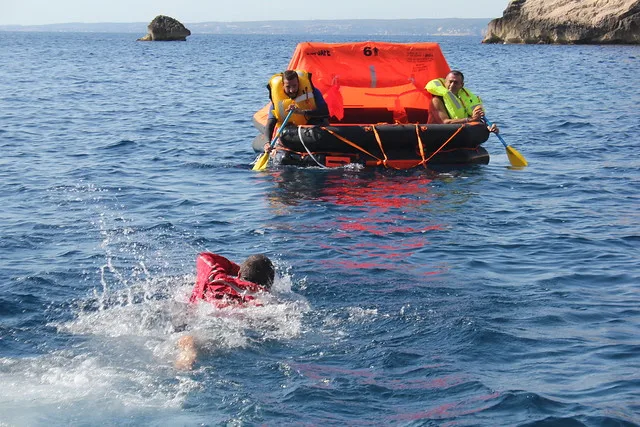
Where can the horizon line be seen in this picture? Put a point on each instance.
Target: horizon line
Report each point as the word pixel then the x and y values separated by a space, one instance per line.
pixel 242 22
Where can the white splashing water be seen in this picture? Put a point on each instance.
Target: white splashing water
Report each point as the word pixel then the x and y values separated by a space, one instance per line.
pixel 121 342
pixel 122 360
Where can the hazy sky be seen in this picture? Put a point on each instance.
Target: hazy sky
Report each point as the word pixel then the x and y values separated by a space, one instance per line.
pixel 36 12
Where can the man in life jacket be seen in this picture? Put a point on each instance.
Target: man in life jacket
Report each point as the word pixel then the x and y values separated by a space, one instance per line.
pixel 293 90
pixel 225 283
pixel 452 103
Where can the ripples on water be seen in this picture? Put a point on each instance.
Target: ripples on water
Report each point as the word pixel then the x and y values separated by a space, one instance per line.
pixel 481 296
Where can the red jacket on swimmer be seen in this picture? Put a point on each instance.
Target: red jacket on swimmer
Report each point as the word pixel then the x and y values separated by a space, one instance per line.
pixel 224 282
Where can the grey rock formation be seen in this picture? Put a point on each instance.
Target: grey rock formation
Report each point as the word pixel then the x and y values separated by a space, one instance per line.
pixel 165 28
pixel 567 22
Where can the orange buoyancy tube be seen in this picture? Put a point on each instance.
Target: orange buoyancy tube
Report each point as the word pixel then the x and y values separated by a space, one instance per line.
pixel 304 99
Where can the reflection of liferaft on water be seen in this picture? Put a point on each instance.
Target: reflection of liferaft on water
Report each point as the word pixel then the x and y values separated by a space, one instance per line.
pixel 379 110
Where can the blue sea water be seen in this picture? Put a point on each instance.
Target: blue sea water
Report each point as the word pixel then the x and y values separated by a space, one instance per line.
pixel 480 296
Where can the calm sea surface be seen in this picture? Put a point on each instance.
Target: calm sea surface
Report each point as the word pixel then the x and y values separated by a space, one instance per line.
pixel 484 296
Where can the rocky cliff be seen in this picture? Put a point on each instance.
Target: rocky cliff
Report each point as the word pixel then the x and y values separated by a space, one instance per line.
pixel 165 28
pixel 567 21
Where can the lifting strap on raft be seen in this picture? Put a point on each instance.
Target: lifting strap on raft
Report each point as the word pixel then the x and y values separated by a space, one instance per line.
pixel 420 146
pixel 346 141
pixel 423 162
pixel 386 162
pixel 445 143
pixel 375 132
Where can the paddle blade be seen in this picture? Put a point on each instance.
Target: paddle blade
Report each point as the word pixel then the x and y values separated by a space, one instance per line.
pixel 515 157
pixel 261 163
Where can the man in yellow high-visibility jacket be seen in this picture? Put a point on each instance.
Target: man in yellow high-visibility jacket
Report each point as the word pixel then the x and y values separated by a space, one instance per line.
pixel 452 103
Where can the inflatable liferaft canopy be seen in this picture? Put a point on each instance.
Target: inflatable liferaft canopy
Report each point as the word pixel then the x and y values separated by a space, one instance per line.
pixel 364 82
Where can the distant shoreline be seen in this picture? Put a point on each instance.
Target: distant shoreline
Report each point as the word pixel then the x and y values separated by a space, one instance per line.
pixel 386 27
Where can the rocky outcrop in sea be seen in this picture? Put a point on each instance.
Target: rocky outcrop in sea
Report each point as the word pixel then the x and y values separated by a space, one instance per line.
pixel 567 22
pixel 165 28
